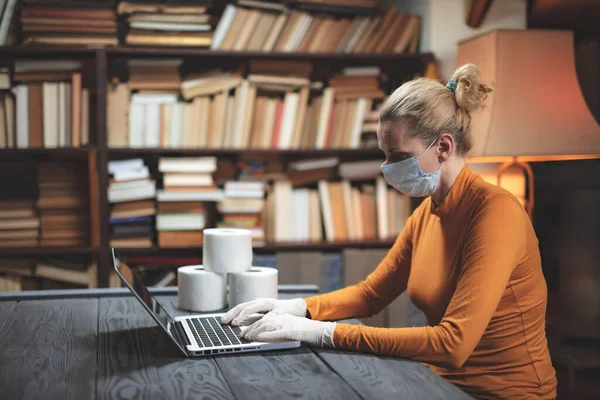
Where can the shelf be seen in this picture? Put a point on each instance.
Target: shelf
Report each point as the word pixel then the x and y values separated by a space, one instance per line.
pixel 266 153
pixel 325 246
pixel 45 51
pixel 268 248
pixel 45 251
pixel 219 54
pixel 151 51
pixel 64 151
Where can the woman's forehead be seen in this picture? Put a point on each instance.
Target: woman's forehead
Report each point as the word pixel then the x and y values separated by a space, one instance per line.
pixel 391 131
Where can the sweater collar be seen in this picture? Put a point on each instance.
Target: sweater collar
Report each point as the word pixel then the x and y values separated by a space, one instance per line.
pixel 455 194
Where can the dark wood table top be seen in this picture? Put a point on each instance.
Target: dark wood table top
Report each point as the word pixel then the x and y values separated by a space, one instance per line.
pixel 102 344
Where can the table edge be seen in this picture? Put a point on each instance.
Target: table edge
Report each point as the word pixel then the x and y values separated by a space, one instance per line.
pixel 123 292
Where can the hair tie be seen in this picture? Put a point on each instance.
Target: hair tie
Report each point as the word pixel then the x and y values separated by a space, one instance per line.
pixel 451 85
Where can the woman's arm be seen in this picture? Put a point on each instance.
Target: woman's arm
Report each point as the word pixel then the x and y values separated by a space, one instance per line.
pixel 373 294
pixel 494 245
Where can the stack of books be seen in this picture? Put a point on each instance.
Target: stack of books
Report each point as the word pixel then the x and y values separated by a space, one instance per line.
pixel 243 208
pixel 132 193
pixel 187 186
pixel 19 221
pixel 344 106
pixel 63 203
pixel 154 75
pixel 65 274
pixel 306 172
pixel 166 24
pixel 17 275
pixel 266 26
pixel 65 22
pixel 276 106
pixel 52 106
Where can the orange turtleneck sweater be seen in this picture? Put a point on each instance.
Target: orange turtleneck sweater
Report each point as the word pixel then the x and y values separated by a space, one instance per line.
pixel 472 265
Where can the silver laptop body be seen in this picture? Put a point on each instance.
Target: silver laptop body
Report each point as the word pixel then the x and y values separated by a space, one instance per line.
pixel 195 335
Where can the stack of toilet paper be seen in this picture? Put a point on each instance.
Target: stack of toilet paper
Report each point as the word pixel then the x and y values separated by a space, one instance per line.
pixel 227 276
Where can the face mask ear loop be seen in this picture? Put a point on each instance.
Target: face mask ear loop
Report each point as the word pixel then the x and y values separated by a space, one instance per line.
pixel 434 140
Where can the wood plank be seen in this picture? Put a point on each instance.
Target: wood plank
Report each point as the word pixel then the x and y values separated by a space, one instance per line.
pixel 6 315
pixel 386 377
pixel 137 360
pixel 48 349
pixel 297 373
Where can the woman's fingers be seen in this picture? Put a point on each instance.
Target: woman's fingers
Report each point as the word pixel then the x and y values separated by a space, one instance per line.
pixel 264 325
pixel 257 307
pixel 234 312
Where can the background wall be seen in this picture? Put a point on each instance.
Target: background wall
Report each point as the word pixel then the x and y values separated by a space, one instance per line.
pixel 444 26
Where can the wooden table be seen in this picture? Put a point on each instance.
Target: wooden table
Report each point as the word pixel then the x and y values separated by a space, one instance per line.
pixel 101 343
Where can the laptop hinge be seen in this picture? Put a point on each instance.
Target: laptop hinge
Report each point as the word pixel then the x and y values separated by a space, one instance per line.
pixel 180 335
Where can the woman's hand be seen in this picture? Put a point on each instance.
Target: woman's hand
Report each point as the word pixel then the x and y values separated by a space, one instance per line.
pixel 289 327
pixel 272 307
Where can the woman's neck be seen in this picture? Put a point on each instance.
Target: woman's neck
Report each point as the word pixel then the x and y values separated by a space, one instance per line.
pixel 449 173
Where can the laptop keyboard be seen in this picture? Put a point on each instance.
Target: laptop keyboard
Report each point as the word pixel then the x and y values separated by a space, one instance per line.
pixel 209 332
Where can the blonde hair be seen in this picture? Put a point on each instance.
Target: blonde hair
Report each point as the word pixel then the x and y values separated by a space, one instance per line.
pixel 427 108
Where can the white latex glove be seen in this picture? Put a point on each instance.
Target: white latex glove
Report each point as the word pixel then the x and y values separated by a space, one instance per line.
pixel 282 327
pixel 272 307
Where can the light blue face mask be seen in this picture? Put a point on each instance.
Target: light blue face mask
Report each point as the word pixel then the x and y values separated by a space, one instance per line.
pixel 407 177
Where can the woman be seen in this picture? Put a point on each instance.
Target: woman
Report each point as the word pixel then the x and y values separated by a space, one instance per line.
pixel 468 257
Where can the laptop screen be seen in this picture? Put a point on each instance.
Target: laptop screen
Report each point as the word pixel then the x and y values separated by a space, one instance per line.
pixel 134 282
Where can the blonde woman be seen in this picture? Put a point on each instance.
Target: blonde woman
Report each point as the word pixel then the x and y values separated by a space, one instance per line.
pixel 468 257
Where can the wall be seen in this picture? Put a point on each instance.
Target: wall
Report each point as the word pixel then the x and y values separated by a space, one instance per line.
pixel 444 26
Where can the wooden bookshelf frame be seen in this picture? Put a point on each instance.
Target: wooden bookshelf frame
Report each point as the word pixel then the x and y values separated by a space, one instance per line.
pixel 98 153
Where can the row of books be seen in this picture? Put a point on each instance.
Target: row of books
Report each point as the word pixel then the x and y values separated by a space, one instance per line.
pixel 187 199
pixel 247 25
pixel 225 110
pixel 47 205
pixel 336 211
pixel 272 27
pixel 45 105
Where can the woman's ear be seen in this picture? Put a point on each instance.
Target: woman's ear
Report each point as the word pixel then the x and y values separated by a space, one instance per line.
pixel 446 147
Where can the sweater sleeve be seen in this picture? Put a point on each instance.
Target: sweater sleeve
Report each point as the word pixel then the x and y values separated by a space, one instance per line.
pixel 494 245
pixel 373 294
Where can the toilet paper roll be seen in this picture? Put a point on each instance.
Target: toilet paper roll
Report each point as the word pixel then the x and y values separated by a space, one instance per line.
pixel 250 285
pixel 201 290
pixel 227 250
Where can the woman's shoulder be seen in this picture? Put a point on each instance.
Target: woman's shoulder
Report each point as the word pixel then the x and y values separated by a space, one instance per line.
pixel 487 198
pixel 488 195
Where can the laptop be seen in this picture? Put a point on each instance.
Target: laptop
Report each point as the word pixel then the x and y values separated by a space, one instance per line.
pixel 195 335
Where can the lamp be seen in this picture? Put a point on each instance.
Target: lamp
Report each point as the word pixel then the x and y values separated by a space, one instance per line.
pixel 537 111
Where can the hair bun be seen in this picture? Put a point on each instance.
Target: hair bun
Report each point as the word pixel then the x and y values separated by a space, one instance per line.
pixel 470 92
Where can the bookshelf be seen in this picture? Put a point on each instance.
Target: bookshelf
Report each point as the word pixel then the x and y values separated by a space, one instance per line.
pixel 99 65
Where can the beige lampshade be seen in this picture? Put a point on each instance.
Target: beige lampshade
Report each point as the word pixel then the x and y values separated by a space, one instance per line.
pixel 537 107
